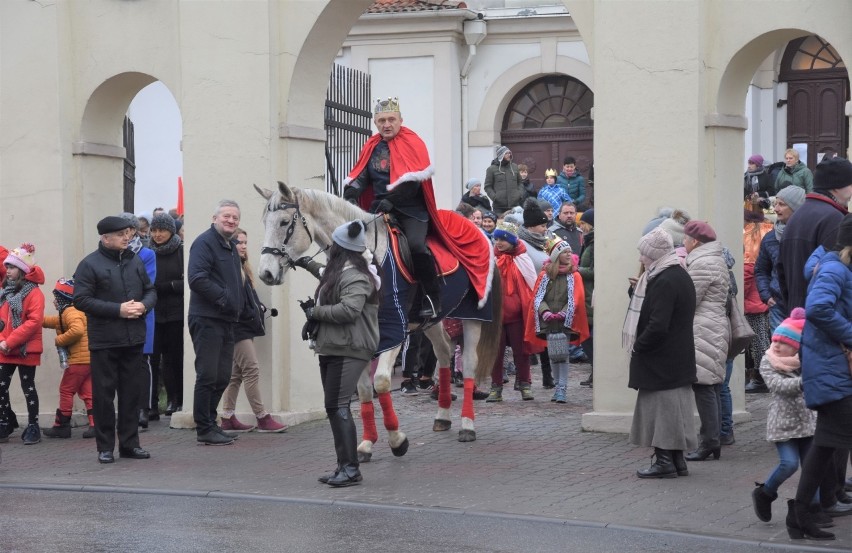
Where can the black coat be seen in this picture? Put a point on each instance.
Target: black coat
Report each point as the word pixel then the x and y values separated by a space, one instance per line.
pixel 251 322
pixel 169 285
pixel 215 283
pixel 477 201
pixel 664 351
pixel 104 280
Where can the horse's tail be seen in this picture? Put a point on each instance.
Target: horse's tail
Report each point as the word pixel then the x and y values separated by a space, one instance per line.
pixel 489 335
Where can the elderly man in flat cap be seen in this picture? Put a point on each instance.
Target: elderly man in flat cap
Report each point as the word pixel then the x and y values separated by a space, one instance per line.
pixel 114 291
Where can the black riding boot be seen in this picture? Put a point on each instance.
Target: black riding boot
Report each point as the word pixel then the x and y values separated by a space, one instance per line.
pixel 346 442
pixel 663 467
pixel 427 274
pixel 338 447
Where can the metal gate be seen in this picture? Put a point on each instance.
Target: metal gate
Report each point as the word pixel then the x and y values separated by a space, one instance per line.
pixel 348 117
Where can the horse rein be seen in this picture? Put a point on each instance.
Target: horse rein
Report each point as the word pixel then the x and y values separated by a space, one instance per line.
pixel 280 252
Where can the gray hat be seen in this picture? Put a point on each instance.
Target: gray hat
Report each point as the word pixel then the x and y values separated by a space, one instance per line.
pixel 113 224
pixel 351 236
pixel 134 221
pixel 501 151
pixel 164 222
pixel 656 244
pixel 472 182
pixel 793 196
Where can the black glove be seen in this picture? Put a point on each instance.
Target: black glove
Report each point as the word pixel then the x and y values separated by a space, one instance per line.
pixel 351 194
pixel 384 206
pixel 302 262
pixel 308 307
pixel 309 330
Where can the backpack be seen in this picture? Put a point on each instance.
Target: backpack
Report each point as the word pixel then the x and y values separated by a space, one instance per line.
pixel 773 170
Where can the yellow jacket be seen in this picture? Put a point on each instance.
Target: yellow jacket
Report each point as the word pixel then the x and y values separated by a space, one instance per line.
pixel 74 337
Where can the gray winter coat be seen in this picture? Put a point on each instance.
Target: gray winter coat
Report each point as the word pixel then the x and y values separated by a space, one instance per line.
pixel 788 417
pixel 709 274
pixel 349 327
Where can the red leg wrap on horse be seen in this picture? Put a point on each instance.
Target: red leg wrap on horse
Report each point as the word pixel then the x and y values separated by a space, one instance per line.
pixel 445 397
pixel 368 419
pixel 391 422
pixel 467 405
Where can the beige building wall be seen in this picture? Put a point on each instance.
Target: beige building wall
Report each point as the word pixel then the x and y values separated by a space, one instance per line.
pixel 670 79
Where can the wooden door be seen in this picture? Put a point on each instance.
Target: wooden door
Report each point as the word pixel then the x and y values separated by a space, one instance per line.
pixel 815 116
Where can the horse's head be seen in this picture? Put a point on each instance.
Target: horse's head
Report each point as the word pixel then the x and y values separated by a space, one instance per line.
pixel 287 234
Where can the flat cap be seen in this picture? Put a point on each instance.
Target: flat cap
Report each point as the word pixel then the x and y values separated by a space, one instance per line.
pixel 112 224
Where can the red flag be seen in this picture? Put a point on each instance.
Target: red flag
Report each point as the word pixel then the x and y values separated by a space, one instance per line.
pixel 180 196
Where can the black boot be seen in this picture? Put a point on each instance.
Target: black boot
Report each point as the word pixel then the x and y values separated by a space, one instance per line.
pixel 5 432
pixel 663 467
pixel 171 407
pixel 427 274
pixel 338 448
pixel 762 501
pixel 703 452
pixel 349 475
pixel 679 462
pixel 143 419
pixel 800 524
pixel 546 374
pixel 90 431
pixel 61 427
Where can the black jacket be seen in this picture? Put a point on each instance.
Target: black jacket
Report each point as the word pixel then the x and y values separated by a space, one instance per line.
pixel 663 355
pixel 251 322
pixel 169 285
pixel 215 285
pixel 477 201
pixel 104 280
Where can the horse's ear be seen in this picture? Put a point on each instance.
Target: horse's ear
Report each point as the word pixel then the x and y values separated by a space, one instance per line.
pixel 263 192
pixel 286 192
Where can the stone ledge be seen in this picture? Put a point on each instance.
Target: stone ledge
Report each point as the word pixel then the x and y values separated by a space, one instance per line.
pixel 183 419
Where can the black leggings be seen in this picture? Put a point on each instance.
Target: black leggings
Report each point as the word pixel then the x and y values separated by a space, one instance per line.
pixel 26 373
pixel 339 380
pixel 819 472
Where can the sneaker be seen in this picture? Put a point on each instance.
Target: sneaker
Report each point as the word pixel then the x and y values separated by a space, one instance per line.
pixel 436 390
pixel 89 433
pixel 479 394
pixel 425 384
pixel 268 424
pixel 214 438
pixel 408 388
pixel 495 395
pixel 231 423
pixel 526 391
pixel 727 439
pixel 31 435
pixel 560 396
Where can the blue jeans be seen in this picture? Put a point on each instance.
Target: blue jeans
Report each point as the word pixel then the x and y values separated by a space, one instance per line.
pixel 776 315
pixel 790 455
pixel 726 404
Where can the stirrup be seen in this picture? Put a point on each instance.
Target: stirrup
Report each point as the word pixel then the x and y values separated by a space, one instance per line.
pixel 429 309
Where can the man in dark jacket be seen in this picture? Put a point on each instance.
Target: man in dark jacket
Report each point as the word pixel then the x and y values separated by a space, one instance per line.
pixel 565 226
pixel 503 182
pixel 814 224
pixel 115 293
pixel 215 301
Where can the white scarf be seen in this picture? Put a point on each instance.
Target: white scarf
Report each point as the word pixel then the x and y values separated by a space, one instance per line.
pixel 631 320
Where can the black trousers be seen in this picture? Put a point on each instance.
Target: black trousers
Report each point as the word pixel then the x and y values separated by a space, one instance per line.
pixel 415 232
pixel 168 356
pixel 117 371
pixel 213 341
pixel 420 359
pixel 339 377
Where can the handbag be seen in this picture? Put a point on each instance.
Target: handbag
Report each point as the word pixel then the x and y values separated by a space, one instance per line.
pixel 557 347
pixel 741 332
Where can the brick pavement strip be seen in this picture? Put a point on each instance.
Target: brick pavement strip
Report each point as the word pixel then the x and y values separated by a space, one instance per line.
pixel 530 458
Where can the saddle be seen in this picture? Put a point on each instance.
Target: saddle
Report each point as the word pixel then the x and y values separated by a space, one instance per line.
pixel 445 262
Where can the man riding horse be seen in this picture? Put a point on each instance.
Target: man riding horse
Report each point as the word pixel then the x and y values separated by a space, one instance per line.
pixel 393 175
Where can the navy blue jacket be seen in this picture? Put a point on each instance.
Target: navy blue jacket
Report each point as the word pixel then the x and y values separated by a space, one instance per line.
pixel 825 371
pixel 765 274
pixel 216 289
pixel 104 280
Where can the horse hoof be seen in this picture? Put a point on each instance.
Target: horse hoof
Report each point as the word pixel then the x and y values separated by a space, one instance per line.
pixel 364 457
pixel 467 435
pixel 401 449
pixel 441 425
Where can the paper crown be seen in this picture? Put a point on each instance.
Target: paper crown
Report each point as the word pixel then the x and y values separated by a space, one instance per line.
pixel 391 104
pixel 550 173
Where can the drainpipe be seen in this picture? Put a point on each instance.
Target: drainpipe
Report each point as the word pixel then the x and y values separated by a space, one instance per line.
pixel 474 33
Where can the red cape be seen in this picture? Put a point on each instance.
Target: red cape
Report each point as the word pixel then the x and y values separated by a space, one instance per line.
pixel 410 162
pixel 580 324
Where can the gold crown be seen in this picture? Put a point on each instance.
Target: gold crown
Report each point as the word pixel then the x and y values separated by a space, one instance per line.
pixel 550 173
pixel 391 104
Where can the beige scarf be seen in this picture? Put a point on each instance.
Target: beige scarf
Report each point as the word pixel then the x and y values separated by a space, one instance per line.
pixel 631 320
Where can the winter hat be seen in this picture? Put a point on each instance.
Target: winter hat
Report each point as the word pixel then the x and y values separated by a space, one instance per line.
pixel 700 230
pixel 506 231
pixel 471 183
pixel 64 289
pixel 489 215
pixel 163 221
pixel 134 221
pixel 757 159
pixel 113 224
pixel 533 214
pixel 844 233
pixel 793 196
pixel 833 173
pixel 588 216
pixel 655 244
pixel 545 205
pixel 501 151
pixel 350 236
pixel 145 215
pixel 790 329
pixel 178 225
pixel 22 258
pixel 674 225
pixel 555 248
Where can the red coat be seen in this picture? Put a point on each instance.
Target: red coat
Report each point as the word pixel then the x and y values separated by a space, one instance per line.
pixel 29 332
pixel 752 303
pixel 4 253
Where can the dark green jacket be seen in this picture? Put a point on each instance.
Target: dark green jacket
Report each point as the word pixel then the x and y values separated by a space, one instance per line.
pixel 349 327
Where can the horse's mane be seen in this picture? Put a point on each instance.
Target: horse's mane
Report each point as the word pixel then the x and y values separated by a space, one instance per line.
pixel 321 202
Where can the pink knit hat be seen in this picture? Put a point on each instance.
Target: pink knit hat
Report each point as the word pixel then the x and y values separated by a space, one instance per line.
pixel 22 258
pixel 790 329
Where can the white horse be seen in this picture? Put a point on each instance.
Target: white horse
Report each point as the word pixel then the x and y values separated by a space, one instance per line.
pixel 293 219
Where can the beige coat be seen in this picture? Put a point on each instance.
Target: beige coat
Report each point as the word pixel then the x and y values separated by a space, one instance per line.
pixel 709 274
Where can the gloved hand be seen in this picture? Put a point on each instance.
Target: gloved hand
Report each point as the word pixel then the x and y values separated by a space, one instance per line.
pixel 384 206
pixel 308 307
pixel 302 262
pixel 351 194
pixel 549 316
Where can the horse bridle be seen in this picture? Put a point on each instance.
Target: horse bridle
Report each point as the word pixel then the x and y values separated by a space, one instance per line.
pixel 280 252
